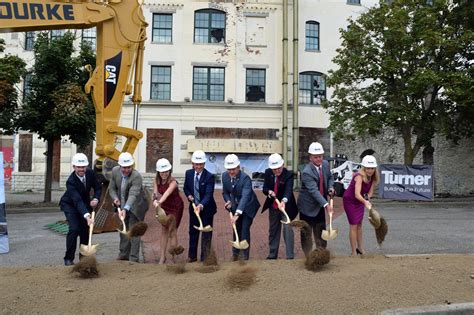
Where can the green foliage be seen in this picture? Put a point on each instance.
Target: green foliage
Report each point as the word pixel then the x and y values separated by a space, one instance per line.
pixel 57 105
pixel 405 65
pixel 12 69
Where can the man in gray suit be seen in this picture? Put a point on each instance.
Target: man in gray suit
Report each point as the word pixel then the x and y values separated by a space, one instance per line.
pixel 126 191
pixel 240 200
pixel 316 184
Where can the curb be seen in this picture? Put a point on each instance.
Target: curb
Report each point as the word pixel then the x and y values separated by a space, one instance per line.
pixel 460 309
pixel 31 210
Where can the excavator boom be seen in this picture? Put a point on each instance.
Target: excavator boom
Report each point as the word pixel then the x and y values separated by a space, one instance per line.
pixel 121 32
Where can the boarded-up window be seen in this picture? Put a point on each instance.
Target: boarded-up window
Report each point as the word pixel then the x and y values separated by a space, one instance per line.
pixel 255 31
pixel 159 144
pixel 25 153
pixel 310 135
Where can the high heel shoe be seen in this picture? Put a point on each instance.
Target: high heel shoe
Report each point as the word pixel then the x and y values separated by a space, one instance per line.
pixel 358 251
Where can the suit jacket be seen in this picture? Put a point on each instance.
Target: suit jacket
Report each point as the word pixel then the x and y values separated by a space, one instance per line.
pixel 310 200
pixel 285 190
pixel 77 197
pixel 135 196
pixel 241 195
pixel 206 190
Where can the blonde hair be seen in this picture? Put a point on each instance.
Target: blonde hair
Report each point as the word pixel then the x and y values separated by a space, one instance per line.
pixel 365 178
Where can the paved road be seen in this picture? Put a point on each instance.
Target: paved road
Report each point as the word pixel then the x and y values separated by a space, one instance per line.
pixel 425 228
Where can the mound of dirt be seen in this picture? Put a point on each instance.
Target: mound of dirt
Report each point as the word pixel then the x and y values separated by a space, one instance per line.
pixel 351 285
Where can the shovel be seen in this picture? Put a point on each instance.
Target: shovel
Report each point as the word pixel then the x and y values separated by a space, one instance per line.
pixel 207 228
pixel 331 234
pixel 288 221
pixel 236 244
pixel 161 215
pixel 374 218
pixel 89 250
pixel 122 219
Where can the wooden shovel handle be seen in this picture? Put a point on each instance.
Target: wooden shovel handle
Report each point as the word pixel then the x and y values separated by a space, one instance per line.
pixel 91 229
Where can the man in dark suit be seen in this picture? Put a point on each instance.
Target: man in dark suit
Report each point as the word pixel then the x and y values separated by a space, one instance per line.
pixel 77 204
pixel 240 200
pixel 316 184
pixel 199 188
pixel 278 183
pixel 126 192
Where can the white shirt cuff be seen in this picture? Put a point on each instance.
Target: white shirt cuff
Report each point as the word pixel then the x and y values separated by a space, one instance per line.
pixel 87 215
pixel 238 211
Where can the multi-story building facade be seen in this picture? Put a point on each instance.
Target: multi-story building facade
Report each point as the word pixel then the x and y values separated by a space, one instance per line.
pixel 212 80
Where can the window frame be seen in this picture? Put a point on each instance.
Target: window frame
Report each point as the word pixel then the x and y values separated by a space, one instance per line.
pixel 312 90
pixel 157 29
pixel 30 40
pixel 209 27
pixel 353 2
pixel 318 37
pixel 26 89
pixel 264 84
pixel 52 37
pixel 92 40
pixel 208 84
pixel 158 83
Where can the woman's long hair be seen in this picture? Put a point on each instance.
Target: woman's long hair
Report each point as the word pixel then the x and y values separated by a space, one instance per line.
pixel 365 178
pixel 159 181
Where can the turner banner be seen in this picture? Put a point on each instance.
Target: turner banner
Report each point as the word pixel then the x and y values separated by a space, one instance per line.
pixel 403 182
pixel 3 216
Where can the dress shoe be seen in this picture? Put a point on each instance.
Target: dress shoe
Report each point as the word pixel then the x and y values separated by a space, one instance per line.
pixel 68 262
pixel 271 258
pixel 235 257
pixel 191 260
pixel 81 256
pixel 122 258
pixel 134 260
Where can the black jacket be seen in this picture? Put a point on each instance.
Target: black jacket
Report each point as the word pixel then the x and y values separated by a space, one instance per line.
pixel 285 190
pixel 77 197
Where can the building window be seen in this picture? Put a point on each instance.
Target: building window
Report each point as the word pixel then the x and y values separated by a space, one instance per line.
pixel 162 28
pixel 29 40
pixel 56 34
pixel 312 88
pixel 255 86
pixel 160 83
pixel 353 1
pixel 312 35
pixel 208 83
pixel 209 26
pixel 26 85
pixel 89 35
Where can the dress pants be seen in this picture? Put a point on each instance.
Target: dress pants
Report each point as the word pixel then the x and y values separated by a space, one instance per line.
pixel 206 237
pixel 77 227
pixel 317 225
pixel 130 248
pixel 274 233
pixel 243 225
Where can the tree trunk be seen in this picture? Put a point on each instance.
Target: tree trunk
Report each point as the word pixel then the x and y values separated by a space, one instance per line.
pixel 408 155
pixel 49 171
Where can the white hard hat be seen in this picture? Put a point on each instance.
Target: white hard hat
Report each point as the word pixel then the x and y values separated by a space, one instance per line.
pixel 163 165
pixel 275 161
pixel 231 161
pixel 80 159
pixel 125 159
pixel 315 148
pixel 199 157
pixel 369 161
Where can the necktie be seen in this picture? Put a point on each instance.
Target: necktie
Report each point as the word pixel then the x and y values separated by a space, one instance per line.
pixel 321 180
pixel 197 197
pixel 232 181
pixel 275 189
pixel 83 180
pixel 122 190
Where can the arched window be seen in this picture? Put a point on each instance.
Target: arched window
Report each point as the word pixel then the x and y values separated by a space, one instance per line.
pixel 312 88
pixel 312 35
pixel 209 26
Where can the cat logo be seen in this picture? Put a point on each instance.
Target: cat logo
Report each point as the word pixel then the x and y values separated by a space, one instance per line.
pixel 110 74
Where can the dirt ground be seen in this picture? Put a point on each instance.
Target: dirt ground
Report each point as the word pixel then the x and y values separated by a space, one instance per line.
pixel 346 285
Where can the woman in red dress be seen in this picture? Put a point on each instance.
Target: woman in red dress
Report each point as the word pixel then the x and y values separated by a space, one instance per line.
pixel 166 186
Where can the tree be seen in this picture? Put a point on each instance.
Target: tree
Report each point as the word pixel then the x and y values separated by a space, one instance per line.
pixel 12 69
pixel 405 65
pixel 56 105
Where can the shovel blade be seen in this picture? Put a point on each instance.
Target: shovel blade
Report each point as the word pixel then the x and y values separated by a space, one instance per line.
pixel 285 222
pixel 88 251
pixel 332 234
pixel 325 235
pixel 235 244
pixel 244 244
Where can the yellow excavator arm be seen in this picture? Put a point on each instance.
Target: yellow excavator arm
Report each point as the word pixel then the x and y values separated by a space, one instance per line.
pixel 121 32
